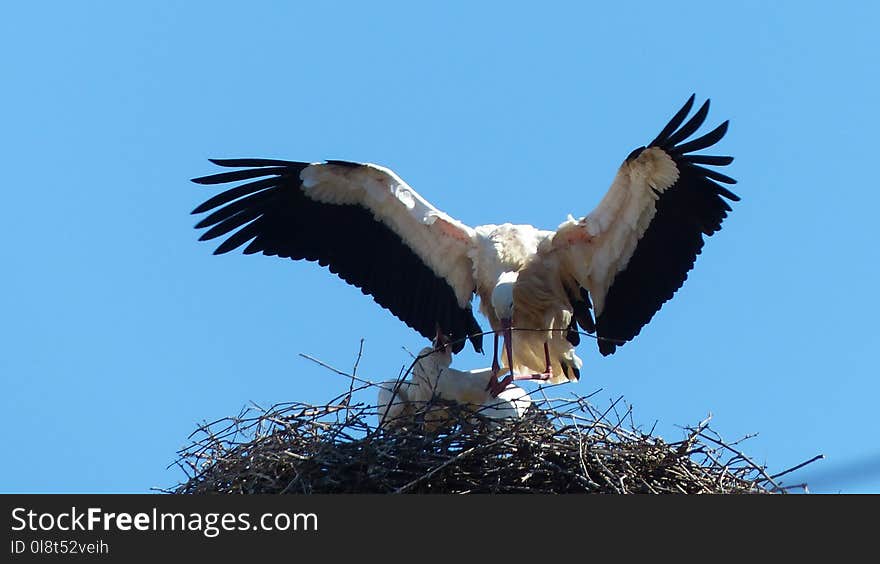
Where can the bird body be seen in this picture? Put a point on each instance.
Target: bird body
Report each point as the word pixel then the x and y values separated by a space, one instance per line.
pixel 435 384
pixel 606 273
pixel 395 403
pixel 500 253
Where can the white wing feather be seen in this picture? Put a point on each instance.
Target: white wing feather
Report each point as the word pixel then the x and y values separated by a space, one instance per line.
pixel 441 241
pixel 598 246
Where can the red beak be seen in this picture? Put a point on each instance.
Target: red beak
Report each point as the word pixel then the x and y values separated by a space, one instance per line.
pixel 507 333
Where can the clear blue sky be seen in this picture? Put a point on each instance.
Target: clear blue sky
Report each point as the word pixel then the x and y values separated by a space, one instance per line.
pixel 121 332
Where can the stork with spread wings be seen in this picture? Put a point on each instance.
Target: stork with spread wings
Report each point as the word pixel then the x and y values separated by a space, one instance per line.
pixel 606 273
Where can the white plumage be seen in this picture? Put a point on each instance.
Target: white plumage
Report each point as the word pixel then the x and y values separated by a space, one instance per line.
pixel 395 403
pixel 434 383
pixel 538 288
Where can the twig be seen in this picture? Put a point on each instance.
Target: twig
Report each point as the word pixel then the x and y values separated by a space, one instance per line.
pixel 799 466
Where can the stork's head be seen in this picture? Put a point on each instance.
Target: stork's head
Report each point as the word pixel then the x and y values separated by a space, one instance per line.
pixel 442 350
pixel 431 360
pixel 502 303
pixel 502 297
pixel 429 364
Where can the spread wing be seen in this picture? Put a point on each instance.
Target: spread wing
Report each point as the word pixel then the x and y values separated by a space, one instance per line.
pixel 634 251
pixel 362 222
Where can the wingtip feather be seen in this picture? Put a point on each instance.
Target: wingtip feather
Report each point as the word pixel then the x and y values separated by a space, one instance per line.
pixel 705 141
pixel 675 122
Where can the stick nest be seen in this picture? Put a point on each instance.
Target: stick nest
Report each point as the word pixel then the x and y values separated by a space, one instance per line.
pixel 560 446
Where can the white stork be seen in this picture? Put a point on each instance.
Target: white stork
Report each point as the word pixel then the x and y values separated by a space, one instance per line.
pixel 623 260
pixel 433 378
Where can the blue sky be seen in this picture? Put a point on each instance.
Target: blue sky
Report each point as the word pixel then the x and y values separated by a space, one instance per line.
pixel 121 332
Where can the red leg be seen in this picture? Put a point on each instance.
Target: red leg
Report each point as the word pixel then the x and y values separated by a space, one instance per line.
pixel 495 366
pixel 548 372
pixel 546 357
pixel 495 387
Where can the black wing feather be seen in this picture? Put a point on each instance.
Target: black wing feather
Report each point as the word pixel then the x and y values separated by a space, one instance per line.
pixel 254 162
pixel 273 215
pixel 691 126
pixel 234 194
pixel 710 160
pixel 236 175
pixel 675 122
pixel 705 141
pixel 686 211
